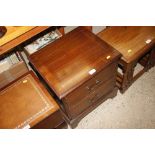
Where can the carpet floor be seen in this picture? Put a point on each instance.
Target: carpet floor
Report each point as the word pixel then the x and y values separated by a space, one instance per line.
pixel 133 109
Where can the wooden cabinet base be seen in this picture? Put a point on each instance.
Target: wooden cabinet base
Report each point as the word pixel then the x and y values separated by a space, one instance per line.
pixel 73 123
pixel 80 69
pixel 56 122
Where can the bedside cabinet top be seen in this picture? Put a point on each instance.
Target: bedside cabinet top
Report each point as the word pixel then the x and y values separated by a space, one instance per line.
pixel 130 41
pixel 24 103
pixel 72 59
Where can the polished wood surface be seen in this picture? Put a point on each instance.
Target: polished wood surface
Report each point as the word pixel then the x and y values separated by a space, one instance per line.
pixel 76 106
pixel 65 64
pixel 18 34
pixel 91 91
pixel 3 31
pixel 137 44
pixel 25 102
pixel 14 72
pixel 90 28
pixel 130 41
pixel 56 119
pixel 80 68
pixel 14 32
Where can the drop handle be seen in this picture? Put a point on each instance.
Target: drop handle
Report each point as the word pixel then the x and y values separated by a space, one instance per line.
pixel 98 81
pixel 90 88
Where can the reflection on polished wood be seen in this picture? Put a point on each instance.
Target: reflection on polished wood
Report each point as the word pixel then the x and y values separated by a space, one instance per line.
pixel 81 69
pixel 137 45
pixel 130 41
pixel 66 63
pixel 14 32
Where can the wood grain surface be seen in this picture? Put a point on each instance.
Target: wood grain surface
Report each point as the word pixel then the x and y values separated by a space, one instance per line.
pixel 130 41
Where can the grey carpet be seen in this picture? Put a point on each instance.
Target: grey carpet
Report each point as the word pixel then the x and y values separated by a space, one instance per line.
pixel 133 109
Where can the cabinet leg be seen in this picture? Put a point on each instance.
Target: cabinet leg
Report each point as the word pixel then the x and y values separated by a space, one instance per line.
pixel 74 124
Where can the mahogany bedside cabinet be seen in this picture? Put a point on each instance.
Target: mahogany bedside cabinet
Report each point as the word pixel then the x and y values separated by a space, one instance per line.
pixel 25 103
pixel 137 46
pixel 81 71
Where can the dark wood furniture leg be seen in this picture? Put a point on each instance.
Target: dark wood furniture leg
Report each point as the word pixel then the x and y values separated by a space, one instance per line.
pixel 152 58
pixel 125 80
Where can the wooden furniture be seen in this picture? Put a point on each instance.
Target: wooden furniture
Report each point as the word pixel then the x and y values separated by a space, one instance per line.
pixel 90 28
pixel 18 34
pixel 3 30
pixel 25 103
pixel 137 46
pixel 11 68
pixel 81 70
pixel 14 72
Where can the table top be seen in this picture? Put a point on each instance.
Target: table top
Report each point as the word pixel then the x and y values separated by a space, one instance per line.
pixel 14 32
pixel 18 34
pixel 24 103
pixel 71 60
pixel 130 41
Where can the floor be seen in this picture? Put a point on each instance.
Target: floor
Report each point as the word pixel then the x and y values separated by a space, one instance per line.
pixel 134 109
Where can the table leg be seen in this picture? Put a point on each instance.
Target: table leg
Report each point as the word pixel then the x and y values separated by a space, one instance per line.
pixel 128 71
pixel 152 58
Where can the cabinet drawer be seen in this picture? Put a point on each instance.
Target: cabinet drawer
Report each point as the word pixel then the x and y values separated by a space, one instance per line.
pixel 92 84
pixel 53 121
pixel 80 105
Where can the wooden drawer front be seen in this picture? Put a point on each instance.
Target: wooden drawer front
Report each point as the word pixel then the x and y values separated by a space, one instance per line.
pixel 91 85
pixel 51 122
pixel 75 108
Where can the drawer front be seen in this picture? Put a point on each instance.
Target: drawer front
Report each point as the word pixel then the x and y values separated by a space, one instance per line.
pixel 76 108
pixel 92 84
pixel 51 122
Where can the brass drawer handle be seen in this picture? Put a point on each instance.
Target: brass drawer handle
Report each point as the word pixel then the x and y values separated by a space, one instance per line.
pixel 98 82
pixel 90 88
